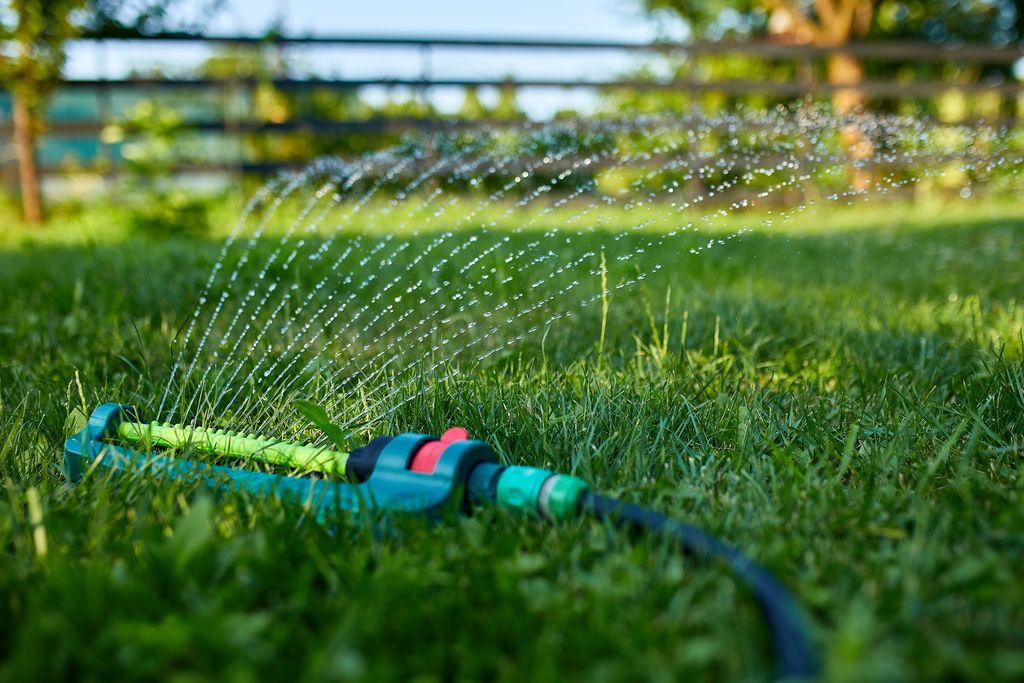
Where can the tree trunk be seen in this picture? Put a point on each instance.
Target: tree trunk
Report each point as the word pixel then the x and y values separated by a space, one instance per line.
pixel 846 69
pixel 25 150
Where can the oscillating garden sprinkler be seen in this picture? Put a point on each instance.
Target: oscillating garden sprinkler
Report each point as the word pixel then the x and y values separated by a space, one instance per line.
pixel 413 473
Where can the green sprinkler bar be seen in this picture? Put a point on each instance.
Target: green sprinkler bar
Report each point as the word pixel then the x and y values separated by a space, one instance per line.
pixel 224 443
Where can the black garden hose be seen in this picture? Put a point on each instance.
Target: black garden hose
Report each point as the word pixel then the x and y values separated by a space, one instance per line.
pixel 794 654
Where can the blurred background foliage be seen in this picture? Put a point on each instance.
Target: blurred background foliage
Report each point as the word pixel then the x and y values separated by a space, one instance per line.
pixel 241 123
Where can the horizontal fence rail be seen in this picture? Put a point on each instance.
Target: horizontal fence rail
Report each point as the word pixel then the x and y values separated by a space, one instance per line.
pixel 881 50
pixel 358 126
pixel 794 88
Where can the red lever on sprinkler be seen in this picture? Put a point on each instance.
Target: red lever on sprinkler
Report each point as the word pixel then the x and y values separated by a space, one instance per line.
pixel 427 456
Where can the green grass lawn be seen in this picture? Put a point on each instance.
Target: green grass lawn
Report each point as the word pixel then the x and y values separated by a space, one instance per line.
pixel 841 396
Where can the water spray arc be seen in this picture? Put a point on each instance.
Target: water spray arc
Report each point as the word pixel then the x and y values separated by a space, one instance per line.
pixel 418 474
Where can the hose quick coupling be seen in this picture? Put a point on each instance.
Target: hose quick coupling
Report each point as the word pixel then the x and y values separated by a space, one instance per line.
pixel 537 491
pixel 526 490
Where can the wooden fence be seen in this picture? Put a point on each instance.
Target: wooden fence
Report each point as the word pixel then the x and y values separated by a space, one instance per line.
pixel 893 53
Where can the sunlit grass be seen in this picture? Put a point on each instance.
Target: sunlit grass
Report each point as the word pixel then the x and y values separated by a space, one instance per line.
pixel 840 394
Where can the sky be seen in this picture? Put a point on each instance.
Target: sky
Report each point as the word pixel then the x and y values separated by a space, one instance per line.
pixel 619 20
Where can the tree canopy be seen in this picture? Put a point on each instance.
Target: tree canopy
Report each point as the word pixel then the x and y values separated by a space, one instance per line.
pixel 997 22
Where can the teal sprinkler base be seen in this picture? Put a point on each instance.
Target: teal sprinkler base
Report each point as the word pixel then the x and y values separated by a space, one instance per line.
pixel 456 472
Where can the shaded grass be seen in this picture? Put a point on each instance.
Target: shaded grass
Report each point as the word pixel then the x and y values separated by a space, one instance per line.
pixel 842 397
